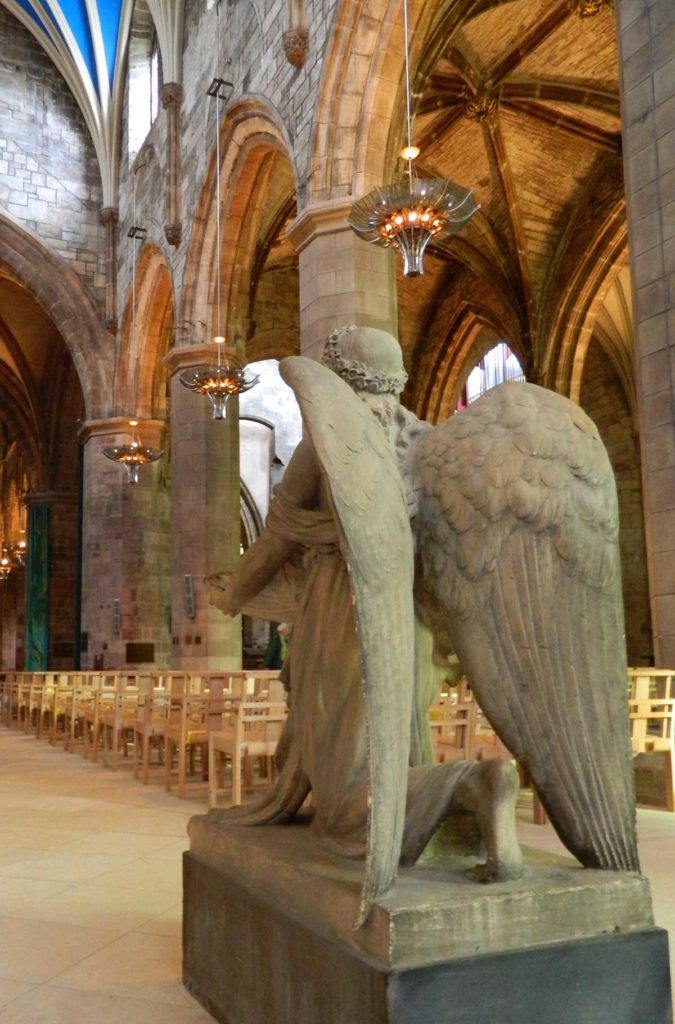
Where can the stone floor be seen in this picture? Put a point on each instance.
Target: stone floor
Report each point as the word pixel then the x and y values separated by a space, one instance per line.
pixel 90 889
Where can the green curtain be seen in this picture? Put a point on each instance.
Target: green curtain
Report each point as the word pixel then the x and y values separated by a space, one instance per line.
pixel 37 602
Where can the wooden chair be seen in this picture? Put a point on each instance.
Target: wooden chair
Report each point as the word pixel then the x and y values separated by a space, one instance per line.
pixel 118 719
pixel 192 715
pixel 253 730
pixel 23 699
pixel 149 727
pixel 652 733
pixel 32 713
pixel 46 705
pixel 453 728
pixel 9 694
pixel 651 683
pixel 61 702
pixel 81 705
pixel 104 698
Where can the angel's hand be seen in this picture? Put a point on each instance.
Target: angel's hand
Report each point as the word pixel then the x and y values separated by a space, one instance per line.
pixel 220 585
pixel 219 580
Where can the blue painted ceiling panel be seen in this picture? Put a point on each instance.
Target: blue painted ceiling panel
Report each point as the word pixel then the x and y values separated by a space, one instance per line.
pixel 29 9
pixel 109 12
pixel 75 12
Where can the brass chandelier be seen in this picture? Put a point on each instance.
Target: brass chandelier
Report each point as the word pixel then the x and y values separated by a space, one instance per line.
pixel 410 212
pixel 219 380
pixel 133 455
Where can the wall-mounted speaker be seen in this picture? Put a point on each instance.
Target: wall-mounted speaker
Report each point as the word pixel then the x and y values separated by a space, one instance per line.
pixel 190 609
pixel 117 617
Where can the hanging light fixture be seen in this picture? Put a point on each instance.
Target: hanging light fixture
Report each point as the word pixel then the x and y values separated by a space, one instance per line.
pixel 17 552
pixel 133 455
pixel 221 379
pixel 410 212
pixel 5 566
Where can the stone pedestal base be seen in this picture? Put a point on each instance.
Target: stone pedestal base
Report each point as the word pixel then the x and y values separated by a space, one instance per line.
pixel 268 939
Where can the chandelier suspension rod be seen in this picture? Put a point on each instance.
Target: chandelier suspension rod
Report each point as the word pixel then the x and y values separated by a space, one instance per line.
pixel 218 333
pixel 406 45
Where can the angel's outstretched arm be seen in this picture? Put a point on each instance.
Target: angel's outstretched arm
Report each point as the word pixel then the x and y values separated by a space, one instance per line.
pixel 262 561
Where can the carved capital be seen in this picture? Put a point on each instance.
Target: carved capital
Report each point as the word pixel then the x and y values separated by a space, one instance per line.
pixel 296 46
pixel 483 106
pixel 589 8
pixel 173 233
pixel 171 95
pixel 109 215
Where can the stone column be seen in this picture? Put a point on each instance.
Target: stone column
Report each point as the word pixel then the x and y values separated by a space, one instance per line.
pixel 51 580
pixel 206 518
pixel 109 217
pixel 647 77
pixel 171 96
pixel 12 620
pixel 37 587
pixel 125 552
pixel 343 280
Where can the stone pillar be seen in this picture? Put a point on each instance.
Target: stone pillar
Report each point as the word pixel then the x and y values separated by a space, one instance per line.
pixel 109 217
pixel 343 280
pixel 125 552
pixel 51 579
pixel 171 96
pixel 647 78
pixel 37 587
pixel 12 620
pixel 206 518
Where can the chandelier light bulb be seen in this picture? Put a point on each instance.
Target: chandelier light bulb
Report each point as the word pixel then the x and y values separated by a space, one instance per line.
pixel 410 152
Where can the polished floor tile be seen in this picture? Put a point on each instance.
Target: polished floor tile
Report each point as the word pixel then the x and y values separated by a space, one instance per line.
pixel 90 889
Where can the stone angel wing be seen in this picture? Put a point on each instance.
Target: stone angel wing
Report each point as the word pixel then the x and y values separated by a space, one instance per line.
pixel 376 541
pixel 517 533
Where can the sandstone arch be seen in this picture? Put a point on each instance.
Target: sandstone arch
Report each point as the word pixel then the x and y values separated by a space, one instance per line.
pixel 58 290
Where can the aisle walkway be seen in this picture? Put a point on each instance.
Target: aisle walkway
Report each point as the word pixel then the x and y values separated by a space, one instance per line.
pixel 90 889
pixel 90 893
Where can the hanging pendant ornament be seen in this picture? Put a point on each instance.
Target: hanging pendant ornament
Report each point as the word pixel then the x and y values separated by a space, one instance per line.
pixel 17 553
pixel 410 212
pixel 221 379
pixel 218 381
pixel 134 455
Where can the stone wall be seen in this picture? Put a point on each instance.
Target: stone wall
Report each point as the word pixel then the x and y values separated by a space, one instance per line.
pixel 647 50
pixel 49 179
pixel 603 398
pixel 252 58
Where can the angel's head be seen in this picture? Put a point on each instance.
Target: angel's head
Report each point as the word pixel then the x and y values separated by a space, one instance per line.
pixel 368 359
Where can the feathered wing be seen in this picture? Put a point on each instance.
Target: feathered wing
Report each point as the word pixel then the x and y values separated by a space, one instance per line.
pixel 376 540
pixel 518 549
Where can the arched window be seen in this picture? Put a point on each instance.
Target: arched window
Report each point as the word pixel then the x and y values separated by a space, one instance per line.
pixel 144 77
pixel 497 366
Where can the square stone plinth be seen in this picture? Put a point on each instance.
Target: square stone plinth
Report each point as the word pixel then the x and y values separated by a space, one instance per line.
pixel 269 938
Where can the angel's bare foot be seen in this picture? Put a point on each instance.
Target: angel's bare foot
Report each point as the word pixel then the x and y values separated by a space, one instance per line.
pixel 490 791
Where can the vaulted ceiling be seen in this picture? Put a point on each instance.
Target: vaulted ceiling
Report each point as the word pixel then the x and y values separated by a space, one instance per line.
pixel 87 40
pixel 521 102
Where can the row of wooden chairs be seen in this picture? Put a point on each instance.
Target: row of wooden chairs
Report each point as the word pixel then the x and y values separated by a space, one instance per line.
pixel 181 715
pixel 461 732
pixel 175 714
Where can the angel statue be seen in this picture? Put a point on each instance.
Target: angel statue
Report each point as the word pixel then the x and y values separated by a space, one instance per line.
pixel 392 544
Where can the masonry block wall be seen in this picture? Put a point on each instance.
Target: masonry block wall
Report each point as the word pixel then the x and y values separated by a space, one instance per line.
pixel 251 56
pixel 603 398
pixel 647 50
pixel 49 178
